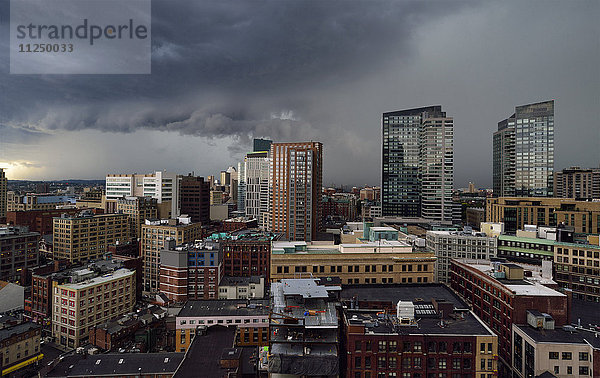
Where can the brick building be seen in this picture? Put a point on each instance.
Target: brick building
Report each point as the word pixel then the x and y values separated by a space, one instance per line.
pixel 239 223
pixel 20 250
pixel 247 254
pixel 501 294
pixel 40 221
pixel 417 331
pixel 194 198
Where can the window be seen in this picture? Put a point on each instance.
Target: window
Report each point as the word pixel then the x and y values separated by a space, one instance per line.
pixel 553 355
pixel 357 345
pixel 456 363
pixel 406 363
pixel 441 363
pixel 557 370
pixel 442 346
pixel 367 362
pixel 381 362
pixel 417 362
pixel 382 346
pixel 490 348
pixel 567 356
pixel 357 362
pixel 482 348
pixel 569 369
pixel 417 347
pixel 406 346
pixel 584 370
pixel 392 362
pixel 392 346
pixel 583 356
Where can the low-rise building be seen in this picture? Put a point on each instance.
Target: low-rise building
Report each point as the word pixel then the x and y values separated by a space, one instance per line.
pixel 475 215
pixel 448 245
pixel 20 250
pixel 304 329
pixel 502 293
pixel 19 346
pixel 114 334
pixel 385 261
pixel 540 349
pixel 248 253
pixel 84 298
pixel 250 317
pixel 242 287
pixel 414 331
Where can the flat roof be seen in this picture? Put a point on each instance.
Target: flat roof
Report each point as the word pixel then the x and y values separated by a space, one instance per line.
pixel 560 335
pixel 225 307
pixel 116 364
pixel 6 333
pixel 467 324
pixel 119 273
pixel 405 292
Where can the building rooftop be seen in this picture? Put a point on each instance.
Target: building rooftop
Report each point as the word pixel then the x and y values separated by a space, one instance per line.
pixel 565 335
pixel 205 351
pixel 382 246
pixel 77 365
pixel 533 286
pixel 225 307
pixel 119 273
pixel 393 293
pixel 6 333
pixel 376 322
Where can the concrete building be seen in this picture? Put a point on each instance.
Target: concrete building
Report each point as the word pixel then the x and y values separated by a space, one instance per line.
pixel 255 179
pixel 418 163
pixel 370 194
pixel 577 183
pixel 524 152
pixel 540 349
pixel 162 186
pixel 137 209
pixel 447 245
pixel 19 347
pixel 577 268
pixel 296 180
pixel 252 287
pixel 475 215
pixel 517 212
pixel 3 193
pixel 304 326
pixel 420 330
pixel 85 236
pixel 194 198
pixel 89 299
pixel 251 319
pixel 191 270
pixel 154 239
pixel 30 201
pixel 502 293
pixel 40 221
pixel 385 261
pixel 20 250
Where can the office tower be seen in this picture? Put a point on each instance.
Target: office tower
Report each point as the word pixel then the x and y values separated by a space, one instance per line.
pixel 262 145
pixel 78 238
pixel 296 181
pixel 524 152
pixel 418 165
pixel 194 198
pixel 577 183
pixel 160 185
pixel 241 195
pixel 138 209
pixel 3 193
pixel 154 239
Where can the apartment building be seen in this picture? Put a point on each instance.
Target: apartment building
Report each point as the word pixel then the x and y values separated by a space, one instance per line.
pixel 19 347
pixel 296 180
pixel 448 245
pixel 384 261
pixel 577 267
pixel 25 202
pixel 79 238
pixel 577 183
pixel 155 234
pixel 248 253
pixel 88 299
pixel 516 212
pixel 20 250
pixel 194 198
pixel 3 193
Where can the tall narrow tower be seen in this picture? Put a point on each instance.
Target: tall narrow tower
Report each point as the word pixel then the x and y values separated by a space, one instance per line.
pixel 296 180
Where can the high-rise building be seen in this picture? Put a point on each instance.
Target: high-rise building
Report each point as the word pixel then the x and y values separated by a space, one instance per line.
pixel 418 163
pixel 256 183
pixel 138 209
pixel 296 180
pixel 78 238
pixel 194 198
pixel 160 185
pixel 20 251
pixel 524 152
pixel 3 191
pixel 262 145
pixel 577 183
pixel 154 239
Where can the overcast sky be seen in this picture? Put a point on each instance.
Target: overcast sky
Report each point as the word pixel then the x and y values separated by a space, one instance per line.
pixel 226 72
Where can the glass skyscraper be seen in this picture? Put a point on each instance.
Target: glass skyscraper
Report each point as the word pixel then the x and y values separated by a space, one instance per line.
pixel 418 163
pixel 524 152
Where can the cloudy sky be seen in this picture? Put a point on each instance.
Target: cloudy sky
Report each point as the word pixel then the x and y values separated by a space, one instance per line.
pixel 225 72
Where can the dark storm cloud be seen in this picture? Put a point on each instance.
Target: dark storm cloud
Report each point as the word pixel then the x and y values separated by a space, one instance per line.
pixel 325 70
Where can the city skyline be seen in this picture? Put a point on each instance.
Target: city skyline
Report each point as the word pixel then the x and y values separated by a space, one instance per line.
pixel 229 78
